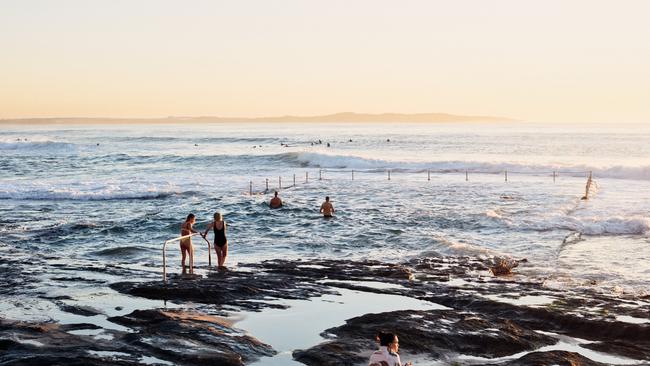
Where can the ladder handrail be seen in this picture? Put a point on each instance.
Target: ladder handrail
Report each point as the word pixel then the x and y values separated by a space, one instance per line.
pixel 191 253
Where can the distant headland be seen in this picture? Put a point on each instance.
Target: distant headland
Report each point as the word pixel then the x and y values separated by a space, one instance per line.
pixel 333 118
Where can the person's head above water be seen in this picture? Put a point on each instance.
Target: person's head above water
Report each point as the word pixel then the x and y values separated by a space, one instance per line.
pixel 190 217
pixel 276 193
pixel 327 198
pixel 217 216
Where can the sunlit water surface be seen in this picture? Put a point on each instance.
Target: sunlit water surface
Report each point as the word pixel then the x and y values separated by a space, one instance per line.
pixel 73 197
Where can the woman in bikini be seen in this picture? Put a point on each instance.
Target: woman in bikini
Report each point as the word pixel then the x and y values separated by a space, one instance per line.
pixel 220 240
pixel 186 244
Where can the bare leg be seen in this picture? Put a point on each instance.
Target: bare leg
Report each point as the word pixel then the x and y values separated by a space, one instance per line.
pixel 224 254
pixel 183 255
pixel 217 249
pixel 190 250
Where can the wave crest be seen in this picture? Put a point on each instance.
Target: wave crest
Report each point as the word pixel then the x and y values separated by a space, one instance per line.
pixel 333 161
pixel 94 193
pixel 594 225
pixel 38 147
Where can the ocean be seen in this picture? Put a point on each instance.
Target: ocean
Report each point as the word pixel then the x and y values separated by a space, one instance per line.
pixel 74 197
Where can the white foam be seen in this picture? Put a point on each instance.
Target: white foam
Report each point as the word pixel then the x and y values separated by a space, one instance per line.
pixel 85 192
pixel 338 161
pixel 591 225
pixel 36 146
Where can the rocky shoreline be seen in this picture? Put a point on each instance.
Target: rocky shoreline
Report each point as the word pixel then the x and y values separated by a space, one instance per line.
pixel 488 320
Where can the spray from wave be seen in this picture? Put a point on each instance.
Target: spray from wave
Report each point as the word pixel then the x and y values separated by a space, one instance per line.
pixel 591 225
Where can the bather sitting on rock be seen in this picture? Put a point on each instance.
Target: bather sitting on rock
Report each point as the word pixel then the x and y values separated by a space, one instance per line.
pixel 387 354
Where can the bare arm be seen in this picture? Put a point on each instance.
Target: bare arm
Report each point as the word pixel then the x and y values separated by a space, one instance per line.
pixel 208 229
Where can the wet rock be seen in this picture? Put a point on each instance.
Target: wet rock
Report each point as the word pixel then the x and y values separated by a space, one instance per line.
pixel 334 353
pixel 177 337
pixel 244 290
pixel 192 338
pixel 552 358
pixel 433 333
pixel 486 318
pixel 55 360
pixel 25 343
pixel 252 290
pixel 77 279
pixel 549 319
pixel 336 269
pixel 635 350
pixel 79 310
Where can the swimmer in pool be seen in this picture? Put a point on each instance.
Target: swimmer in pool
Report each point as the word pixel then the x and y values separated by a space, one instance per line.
pixel 327 209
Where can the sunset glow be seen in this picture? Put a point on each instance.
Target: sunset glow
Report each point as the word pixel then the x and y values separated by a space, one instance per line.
pixel 551 61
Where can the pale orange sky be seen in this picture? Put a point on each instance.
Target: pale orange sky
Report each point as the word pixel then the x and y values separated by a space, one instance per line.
pixel 552 60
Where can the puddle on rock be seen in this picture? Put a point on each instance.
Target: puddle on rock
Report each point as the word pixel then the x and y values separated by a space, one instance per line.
pixel 369 284
pixel 299 326
pixel 526 300
pixel 632 319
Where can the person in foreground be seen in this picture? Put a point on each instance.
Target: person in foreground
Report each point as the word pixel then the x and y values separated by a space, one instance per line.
pixel 276 202
pixel 326 208
pixel 220 240
pixel 186 244
pixel 387 353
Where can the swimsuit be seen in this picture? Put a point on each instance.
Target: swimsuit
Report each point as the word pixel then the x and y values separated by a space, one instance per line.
pixel 220 235
pixel 187 241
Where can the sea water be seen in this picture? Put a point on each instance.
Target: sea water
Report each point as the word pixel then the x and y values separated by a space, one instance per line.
pixel 77 197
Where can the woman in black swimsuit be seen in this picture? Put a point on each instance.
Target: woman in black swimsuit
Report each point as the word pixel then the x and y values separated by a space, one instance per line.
pixel 220 240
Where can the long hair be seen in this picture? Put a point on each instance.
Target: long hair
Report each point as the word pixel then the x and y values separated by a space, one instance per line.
pixel 218 216
pixel 385 339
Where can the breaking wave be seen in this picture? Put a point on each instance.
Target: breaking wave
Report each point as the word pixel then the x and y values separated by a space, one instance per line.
pixel 331 161
pixel 96 192
pixel 38 147
pixel 594 225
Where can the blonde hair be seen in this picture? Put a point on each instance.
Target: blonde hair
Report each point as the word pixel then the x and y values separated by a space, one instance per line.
pixel 218 216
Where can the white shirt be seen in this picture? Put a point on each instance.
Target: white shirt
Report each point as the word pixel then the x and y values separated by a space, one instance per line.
pixel 392 359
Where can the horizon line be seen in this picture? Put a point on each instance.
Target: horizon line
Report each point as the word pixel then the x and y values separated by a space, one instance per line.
pixel 430 117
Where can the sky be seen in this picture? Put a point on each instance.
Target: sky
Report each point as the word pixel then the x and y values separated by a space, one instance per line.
pixel 547 61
